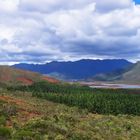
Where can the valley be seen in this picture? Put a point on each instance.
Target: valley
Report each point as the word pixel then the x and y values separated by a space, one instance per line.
pixel 27 115
pixel 38 107
pixel 69 70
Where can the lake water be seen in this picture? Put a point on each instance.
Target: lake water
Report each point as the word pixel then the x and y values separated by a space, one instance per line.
pixel 119 86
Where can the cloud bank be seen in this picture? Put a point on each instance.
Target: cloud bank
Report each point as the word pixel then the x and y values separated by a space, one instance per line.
pixel 38 31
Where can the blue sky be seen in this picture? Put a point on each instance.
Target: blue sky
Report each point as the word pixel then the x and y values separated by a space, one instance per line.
pixel 37 31
pixel 137 1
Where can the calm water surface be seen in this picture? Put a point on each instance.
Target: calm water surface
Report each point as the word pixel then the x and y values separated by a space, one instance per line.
pixel 124 86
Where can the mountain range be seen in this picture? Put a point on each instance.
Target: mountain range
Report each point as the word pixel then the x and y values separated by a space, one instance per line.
pixel 114 71
pixel 77 70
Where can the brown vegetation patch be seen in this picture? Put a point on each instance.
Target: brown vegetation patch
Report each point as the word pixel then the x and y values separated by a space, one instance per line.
pixel 49 79
pixel 25 111
pixel 24 80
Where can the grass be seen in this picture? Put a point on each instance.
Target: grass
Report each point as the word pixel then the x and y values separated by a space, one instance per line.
pixel 39 119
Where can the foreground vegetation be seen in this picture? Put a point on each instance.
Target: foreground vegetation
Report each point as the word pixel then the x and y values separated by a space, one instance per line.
pixel 102 101
pixel 23 117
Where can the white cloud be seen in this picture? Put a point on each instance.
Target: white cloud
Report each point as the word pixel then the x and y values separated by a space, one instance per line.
pixel 39 31
pixel 55 5
pixel 8 5
pixel 52 5
pixel 109 5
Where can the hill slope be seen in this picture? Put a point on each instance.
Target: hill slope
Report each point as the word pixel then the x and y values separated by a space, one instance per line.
pixel 82 69
pixel 10 75
pixel 27 117
pixel 130 75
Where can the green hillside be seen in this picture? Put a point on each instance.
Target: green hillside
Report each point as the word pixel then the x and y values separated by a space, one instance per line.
pixel 60 111
pixel 130 75
pixel 45 111
pixel 133 75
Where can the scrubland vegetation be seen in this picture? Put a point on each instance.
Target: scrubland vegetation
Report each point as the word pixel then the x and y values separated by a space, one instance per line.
pixel 35 113
pixel 102 101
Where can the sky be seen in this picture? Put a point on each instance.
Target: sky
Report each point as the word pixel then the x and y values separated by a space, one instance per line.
pixel 137 1
pixel 38 31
